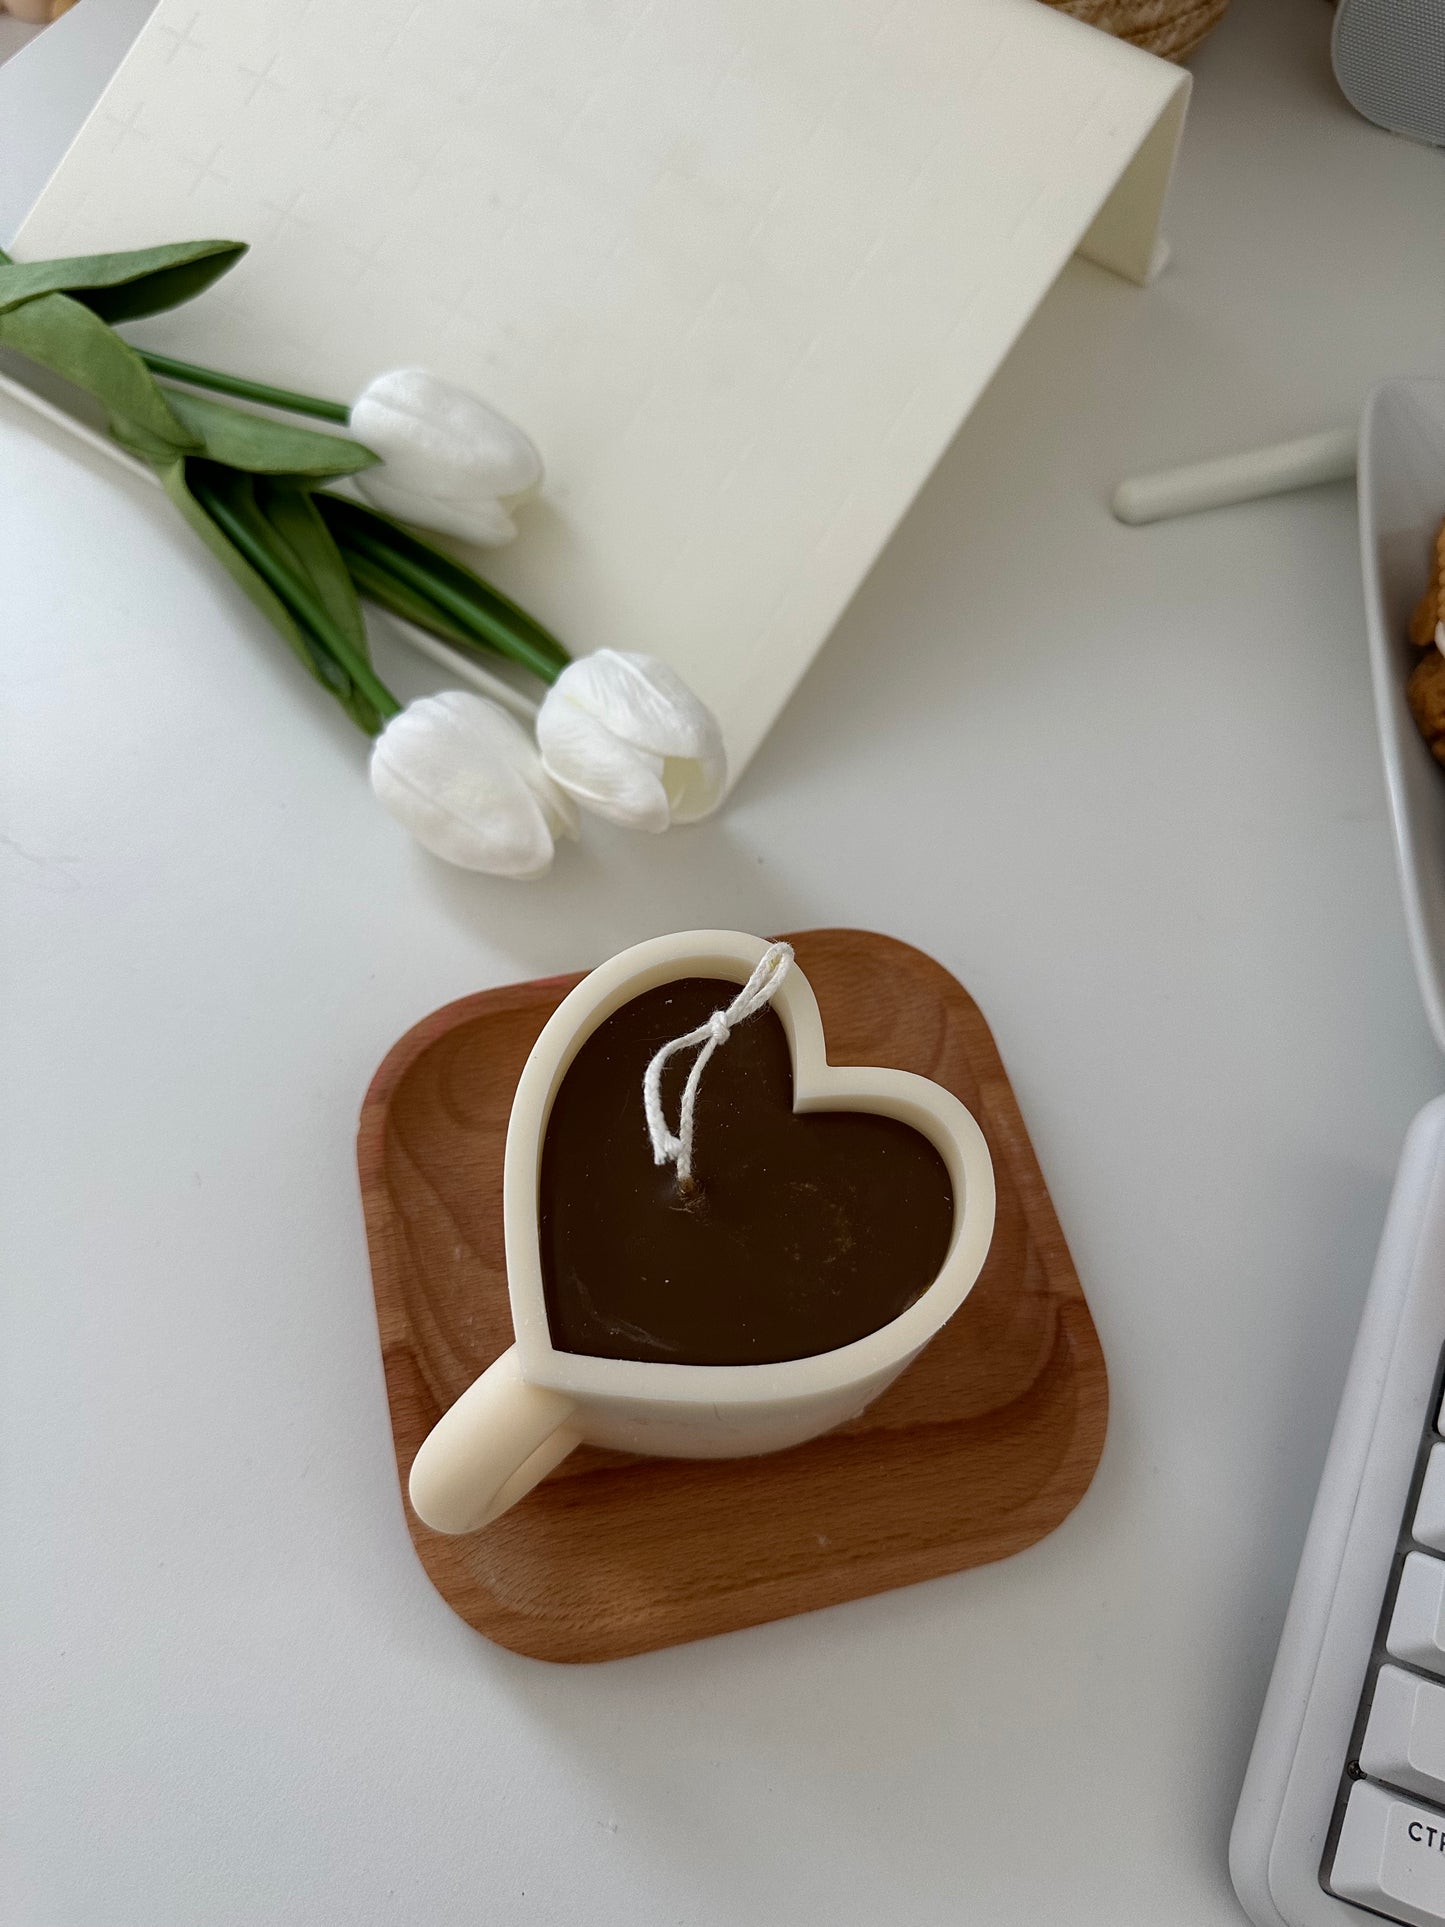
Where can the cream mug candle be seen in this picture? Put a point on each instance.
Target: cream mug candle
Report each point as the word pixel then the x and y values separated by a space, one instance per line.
pixel 732 1286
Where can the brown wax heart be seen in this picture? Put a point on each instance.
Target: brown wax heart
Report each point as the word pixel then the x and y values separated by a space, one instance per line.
pixel 804 1234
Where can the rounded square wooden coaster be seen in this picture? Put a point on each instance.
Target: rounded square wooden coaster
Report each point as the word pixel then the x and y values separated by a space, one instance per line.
pixel 984 1445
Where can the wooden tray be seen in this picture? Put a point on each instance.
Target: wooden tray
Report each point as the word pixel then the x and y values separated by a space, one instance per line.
pixel 987 1441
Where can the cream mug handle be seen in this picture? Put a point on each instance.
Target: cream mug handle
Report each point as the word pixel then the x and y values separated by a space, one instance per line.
pixel 490 1449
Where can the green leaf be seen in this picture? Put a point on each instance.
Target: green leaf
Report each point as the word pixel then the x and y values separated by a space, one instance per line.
pixel 64 336
pixel 123 286
pixel 447 587
pixel 222 467
pixel 190 486
pixel 230 499
pixel 377 586
pixel 177 478
pixel 308 543
pixel 242 440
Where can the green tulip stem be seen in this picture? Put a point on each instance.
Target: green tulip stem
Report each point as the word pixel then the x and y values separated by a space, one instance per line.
pixel 301 603
pixel 190 376
pixel 490 630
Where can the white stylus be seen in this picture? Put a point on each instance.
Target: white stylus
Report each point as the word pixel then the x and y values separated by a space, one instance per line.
pixel 1276 470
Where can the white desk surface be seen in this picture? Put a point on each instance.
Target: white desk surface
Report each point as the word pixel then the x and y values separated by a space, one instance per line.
pixel 1124 782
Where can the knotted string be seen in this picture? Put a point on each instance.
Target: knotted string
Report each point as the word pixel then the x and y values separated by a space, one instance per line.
pixel 759 990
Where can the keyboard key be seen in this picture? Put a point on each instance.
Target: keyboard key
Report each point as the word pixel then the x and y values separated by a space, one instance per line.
pixel 1405 1739
pixel 1429 1526
pixel 1391 1857
pixel 1417 1625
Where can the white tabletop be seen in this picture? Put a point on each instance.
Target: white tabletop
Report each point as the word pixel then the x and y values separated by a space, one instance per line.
pixel 1123 782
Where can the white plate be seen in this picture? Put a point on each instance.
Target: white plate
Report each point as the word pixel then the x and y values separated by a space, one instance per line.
pixel 1402 501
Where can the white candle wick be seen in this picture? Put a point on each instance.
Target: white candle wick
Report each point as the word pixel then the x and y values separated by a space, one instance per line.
pixel 758 991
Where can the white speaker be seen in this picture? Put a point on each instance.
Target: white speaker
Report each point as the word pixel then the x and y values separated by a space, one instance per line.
pixel 1389 58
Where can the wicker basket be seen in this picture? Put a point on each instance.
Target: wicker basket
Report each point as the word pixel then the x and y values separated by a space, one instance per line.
pixel 1173 28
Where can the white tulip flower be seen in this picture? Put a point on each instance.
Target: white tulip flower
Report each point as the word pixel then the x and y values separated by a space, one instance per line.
pixel 626 737
pixel 448 461
pixel 465 778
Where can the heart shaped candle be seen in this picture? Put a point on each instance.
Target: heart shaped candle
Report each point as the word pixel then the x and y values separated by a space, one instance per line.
pixel 839 1216
pixel 801 1233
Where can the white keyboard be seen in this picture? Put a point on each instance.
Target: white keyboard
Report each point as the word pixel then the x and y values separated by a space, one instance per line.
pixel 1343 1807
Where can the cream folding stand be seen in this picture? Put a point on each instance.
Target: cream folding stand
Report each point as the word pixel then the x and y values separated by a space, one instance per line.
pixel 739 268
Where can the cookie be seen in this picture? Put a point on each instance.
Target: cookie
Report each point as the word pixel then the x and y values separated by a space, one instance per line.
pixel 1431 607
pixel 1425 693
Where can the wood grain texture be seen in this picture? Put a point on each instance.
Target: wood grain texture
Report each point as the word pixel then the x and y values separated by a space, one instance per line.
pixel 983 1445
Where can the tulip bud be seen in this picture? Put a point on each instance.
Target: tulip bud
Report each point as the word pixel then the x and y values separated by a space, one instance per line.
pixel 465 778
pixel 625 736
pixel 448 461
